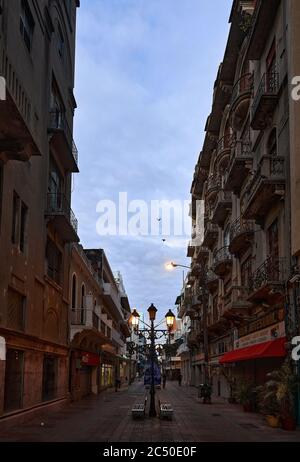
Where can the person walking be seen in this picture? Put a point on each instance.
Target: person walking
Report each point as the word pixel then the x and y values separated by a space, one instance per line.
pixel 179 379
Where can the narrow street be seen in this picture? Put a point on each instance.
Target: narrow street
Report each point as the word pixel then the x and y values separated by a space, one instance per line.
pixel 107 418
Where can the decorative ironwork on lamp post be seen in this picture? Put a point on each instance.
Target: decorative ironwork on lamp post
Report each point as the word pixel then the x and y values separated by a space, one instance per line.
pixel 152 333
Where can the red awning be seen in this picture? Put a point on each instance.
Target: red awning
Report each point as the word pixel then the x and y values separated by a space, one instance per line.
pixel 271 349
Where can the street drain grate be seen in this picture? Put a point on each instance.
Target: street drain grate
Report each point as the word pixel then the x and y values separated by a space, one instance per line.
pixel 248 425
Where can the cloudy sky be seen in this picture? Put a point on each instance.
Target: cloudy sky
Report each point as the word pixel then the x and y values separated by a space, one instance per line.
pixel 144 78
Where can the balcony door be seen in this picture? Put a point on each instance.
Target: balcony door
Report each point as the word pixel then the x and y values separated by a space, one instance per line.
pixel 55 187
pixel 273 248
pixel 273 240
pixel 271 69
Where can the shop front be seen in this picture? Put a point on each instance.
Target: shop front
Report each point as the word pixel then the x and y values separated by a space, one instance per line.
pixel 257 354
pixel 84 367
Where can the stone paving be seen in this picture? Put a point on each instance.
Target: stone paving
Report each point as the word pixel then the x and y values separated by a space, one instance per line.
pixel 107 418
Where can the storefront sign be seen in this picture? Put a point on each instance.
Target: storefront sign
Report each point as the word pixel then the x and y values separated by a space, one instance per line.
pixel 90 359
pixel 264 335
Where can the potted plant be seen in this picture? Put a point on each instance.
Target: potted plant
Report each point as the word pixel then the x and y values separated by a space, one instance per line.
pixel 245 395
pixel 268 403
pixel 284 381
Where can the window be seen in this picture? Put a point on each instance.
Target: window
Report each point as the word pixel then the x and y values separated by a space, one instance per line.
pixel 246 272
pixel 272 143
pixel 16 304
pixel 54 261
pixel 23 227
pixel 26 24
pixel 19 223
pixel 74 290
pixel 227 236
pixel 14 230
pixel 82 311
pixel 273 239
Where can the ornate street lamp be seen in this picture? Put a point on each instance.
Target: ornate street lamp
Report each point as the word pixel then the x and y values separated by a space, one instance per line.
pixel 170 319
pixel 152 334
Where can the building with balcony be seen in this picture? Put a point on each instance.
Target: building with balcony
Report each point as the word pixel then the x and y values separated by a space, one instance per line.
pixel 37 226
pixel 249 190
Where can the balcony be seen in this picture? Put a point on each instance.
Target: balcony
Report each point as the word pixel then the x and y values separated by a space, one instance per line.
pixel 86 322
pixel 239 166
pixel 240 101
pixel 261 27
pixel 190 249
pixel 210 234
pixel 265 189
pixel 198 271
pixel 222 207
pixel 16 121
pixel 222 261
pixel 241 236
pixel 112 299
pixel 267 283
pixel 224 147
pixel 62 140
pixel 236 301
pixel 213 185
pixel 61 216
pixel 212 281
pixel 193 339
pixel 265 101
pixel 202 254
pixel 117 338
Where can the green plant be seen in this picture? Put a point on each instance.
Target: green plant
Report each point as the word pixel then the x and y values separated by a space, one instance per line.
pixel 245 393
pixel 267 399
pixel 283 383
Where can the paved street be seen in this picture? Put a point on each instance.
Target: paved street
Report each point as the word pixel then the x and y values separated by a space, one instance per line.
pixel 107 418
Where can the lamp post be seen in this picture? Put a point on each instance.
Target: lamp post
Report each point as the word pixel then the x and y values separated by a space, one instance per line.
pixel 153 333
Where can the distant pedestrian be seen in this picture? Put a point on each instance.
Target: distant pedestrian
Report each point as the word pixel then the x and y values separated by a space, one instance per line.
pixel 164 377
pixel 179 379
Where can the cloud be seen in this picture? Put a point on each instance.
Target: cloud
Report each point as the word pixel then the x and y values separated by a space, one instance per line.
pixel 144 77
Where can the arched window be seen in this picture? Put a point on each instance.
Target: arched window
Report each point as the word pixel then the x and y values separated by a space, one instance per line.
pixel 74 291
pixel 82 296
pixel 227 236
pixel 272 143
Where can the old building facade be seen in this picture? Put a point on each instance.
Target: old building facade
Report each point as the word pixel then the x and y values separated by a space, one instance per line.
pixel 37 159
pixel 98 324
pixel 238 294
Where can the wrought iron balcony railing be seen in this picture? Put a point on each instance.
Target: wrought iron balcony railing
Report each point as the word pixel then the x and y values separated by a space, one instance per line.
pixel 58 122
pixel 213 182
pixel 57 204
pixel 268 86
pixel 226 142
pixel 241 226
pixel 222 255
pixel 243 85
pixel 272 271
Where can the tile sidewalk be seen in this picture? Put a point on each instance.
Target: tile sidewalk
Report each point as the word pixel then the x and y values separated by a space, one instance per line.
pixel 107 418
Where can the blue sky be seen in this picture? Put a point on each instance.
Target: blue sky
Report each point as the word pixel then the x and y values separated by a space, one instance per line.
pixel 145 71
